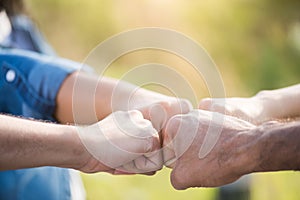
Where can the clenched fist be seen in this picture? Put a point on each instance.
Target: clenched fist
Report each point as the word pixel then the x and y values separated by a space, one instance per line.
pixel 226 138
pixel 123 142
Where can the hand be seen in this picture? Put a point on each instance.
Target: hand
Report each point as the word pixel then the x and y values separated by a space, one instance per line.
pixel 123 142
pixel 159 111
pixel 229 159
pixel 255 109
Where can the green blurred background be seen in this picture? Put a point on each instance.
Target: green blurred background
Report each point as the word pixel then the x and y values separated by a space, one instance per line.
pixel 255 44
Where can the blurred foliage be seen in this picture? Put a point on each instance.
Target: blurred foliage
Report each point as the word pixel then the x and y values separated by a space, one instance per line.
pixel 256 38
pixel 255 44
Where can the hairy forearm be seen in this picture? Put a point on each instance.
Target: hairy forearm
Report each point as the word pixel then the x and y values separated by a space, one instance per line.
pixel 282 103
pixel 277 147
pixel 27 143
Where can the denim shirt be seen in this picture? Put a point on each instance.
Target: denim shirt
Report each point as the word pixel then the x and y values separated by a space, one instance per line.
pixel 29 83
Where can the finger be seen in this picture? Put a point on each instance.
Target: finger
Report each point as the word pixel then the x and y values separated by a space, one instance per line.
pixel 215 105
pixel 180 106
pixel 205 104
pixel 119 172
pixel 128 168
pixel 160 112
pixel 150 162
pixel 169 134
pixel 131 168
pixel 179 135
pixel 138 134
pixel 158 115
pixel 169 157
pixel 120 138
pixel 143 164
pixel 185 106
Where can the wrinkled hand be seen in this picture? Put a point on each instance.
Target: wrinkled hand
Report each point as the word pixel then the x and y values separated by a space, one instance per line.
pixel 228 160
pixel 254 109
pixel 123 142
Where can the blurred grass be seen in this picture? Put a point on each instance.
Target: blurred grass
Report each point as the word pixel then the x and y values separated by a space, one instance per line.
pixel 139 187
pixel 255 44
pixel 274 185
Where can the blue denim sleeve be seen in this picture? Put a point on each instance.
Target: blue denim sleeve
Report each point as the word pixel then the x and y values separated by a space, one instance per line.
pixel 29 82
pixel 46 183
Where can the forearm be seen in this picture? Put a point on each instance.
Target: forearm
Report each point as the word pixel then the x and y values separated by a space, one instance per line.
pixel 26 143
pixel 91 98
pixel 282 103
pixel 277 148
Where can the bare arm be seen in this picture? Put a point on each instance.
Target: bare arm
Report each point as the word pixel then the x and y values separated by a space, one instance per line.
pixel 282 103
pixel 90 99
pixel 97 94
pixel 126 137
pixel 265 106
pixel 26 143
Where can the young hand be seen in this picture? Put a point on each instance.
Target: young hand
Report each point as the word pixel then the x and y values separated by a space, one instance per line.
pixel 123 142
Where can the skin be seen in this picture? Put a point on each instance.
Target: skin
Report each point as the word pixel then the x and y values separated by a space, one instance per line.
pixel 98 100
pixel 265 106
pixel 153 106
pixel 52 140
pixel 27 143
pixel 242 148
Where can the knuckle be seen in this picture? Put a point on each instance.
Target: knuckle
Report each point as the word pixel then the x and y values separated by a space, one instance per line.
pixel 135 114
pixel 174 123
pixel 185 106
pixel 165 104
pixel 205 103
pixel 217 107
pixel 159 109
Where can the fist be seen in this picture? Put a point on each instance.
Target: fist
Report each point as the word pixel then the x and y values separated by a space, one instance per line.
pixel 206 149
pixel 123 141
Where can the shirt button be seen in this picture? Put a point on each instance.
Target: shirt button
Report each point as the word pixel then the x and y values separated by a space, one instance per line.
pixel 10 75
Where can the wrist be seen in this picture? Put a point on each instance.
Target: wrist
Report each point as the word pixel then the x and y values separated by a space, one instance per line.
pixel 247 150
pixel 74 154
pixel 254 152
pixel 278 147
